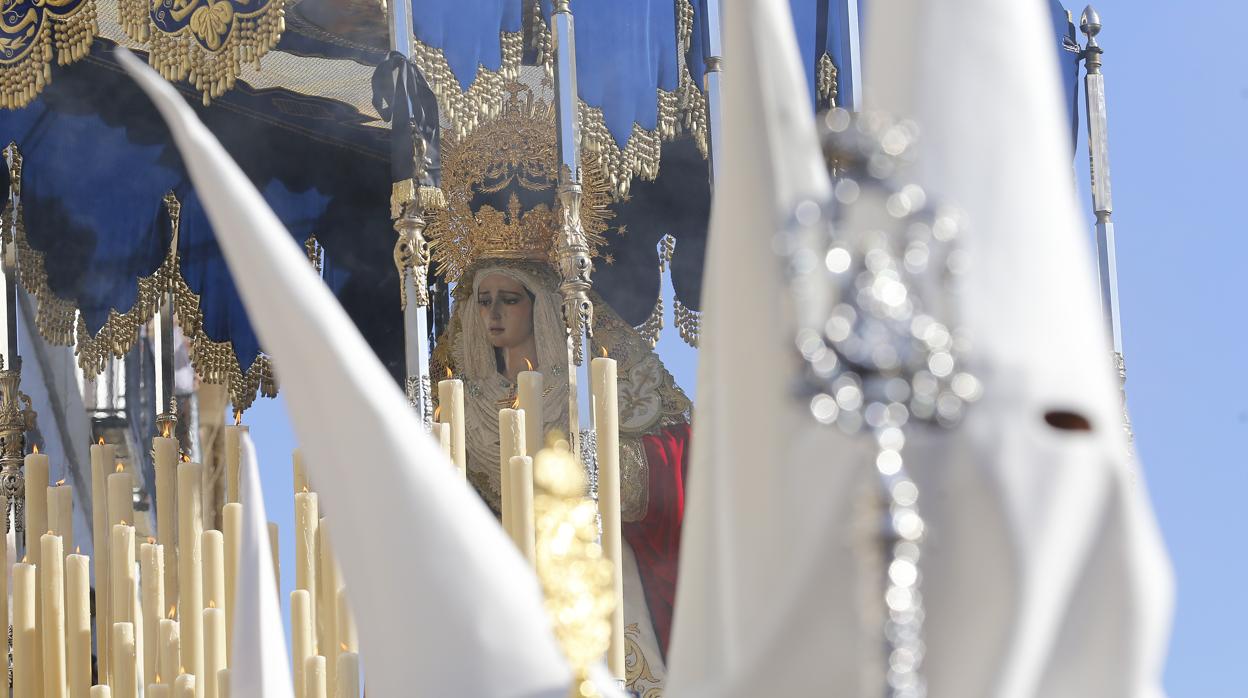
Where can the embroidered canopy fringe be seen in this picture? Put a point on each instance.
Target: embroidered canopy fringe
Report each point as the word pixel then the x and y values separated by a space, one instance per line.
pixel 204 41
pixel 60 323
pixel 26 47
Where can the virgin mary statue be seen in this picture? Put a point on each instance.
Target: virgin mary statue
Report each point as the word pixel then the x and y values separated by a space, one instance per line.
pixel 495 241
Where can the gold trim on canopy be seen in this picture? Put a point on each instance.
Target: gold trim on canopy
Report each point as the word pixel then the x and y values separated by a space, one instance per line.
pixel 29 30
pixel 60 323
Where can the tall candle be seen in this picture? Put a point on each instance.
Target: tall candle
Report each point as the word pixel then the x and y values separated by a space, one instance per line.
pixel 157 690
pixel 214 648
pixel 314 678
pixel 223 684
pixel 307 519
pixel 102 457
pixel 52 615
pixel 61 513
pixel 523 531
pixel 442 433
pixel 137 604
pixel 233 437
pixel 327 601
pixel 348 675
pixel 125 662
pixel 232 526
pixel 301 637
pixel 301 473
pixel 190 573
pixel 101 691
pixel 27 679
pixel 347 637
pixel 121 554
pixel 120 497
pixel 213 545
pixel 607 425
pixel 529 388
pixel 168 649
pixel 277 565
pixel 510 444
pixel 78 624
pixel 451 399
pixel 36 503
pixel 166 450
pixel 184 686
pixel 152 574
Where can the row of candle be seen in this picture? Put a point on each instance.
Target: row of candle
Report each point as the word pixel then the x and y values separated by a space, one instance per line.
pixel 521 435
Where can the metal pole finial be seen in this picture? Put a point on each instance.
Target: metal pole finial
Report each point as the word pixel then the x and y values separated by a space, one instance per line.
pixel 1090 22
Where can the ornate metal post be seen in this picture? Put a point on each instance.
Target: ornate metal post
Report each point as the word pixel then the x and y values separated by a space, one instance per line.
pixel 575 266
pixel 1102 201
pixel 712 41
pixel 16 414
pixel 163 349
pixel 849 77
pixel 411 249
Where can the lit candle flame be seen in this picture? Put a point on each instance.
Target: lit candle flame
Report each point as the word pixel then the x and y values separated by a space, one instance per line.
pixel 151 541
pixel 60 482
pixel 25 559
pixel 77 549
pixel 122 522
pixel 212 604
pixel 35 448
pixel 449 373
pixel 173 611
pixel 238 417
pixel 158 677
pixel 305 489
pixel 51 532
pixel 603 351
pixel 121 468
pixel 185 458
pixel 515 404
pixel 101 441
pixel 164 429
pixel 528 363
pixel 344 647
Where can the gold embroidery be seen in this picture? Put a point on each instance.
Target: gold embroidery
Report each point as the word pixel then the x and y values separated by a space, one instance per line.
pixel 638 676
pixel 26 44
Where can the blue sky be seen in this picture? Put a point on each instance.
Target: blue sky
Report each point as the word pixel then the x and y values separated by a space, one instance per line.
pixel 1178 117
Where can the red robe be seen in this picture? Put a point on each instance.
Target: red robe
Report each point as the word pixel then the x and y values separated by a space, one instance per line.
pixel 656 538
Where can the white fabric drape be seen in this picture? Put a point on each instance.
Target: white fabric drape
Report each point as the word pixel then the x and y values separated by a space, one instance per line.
pixel 259 664
pixel 1043 572
pixel 445 604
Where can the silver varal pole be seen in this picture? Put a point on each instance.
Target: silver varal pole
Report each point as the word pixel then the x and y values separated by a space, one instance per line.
pixel 713 43
pixel 850 76
pixel 16 415
pixel 575 266
pixel 1102 201
pixel 411 251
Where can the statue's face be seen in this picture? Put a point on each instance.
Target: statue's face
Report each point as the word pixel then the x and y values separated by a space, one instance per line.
pixel 506 310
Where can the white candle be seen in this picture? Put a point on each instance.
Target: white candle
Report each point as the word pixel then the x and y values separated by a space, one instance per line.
pixel 307 520
pixel 102 461
pixel 152 574
pixel 101 692
pixel 223 684
pixel 232 526
pixel 314 678
pixel 606 423
pixel 61 513
pixel 52 615
pixel 348 640
pixel 168 649
pixel 348 675
pixel 166 451
pixel 213 545
pixel 523 533
pixel 301 473
pixel 301 637
pixel 327 601
pixel 120 496
pixel 451 400
pixel 214 649
pixel 157 690
pixel 121 554
pixel 125 662
pixel 233 437
pixel 36 503
pixel 27 679
pixel 78 624
pixel 529 388
pixel 190 572
pixel 442 432
pixel 510 444
pixel 184 686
